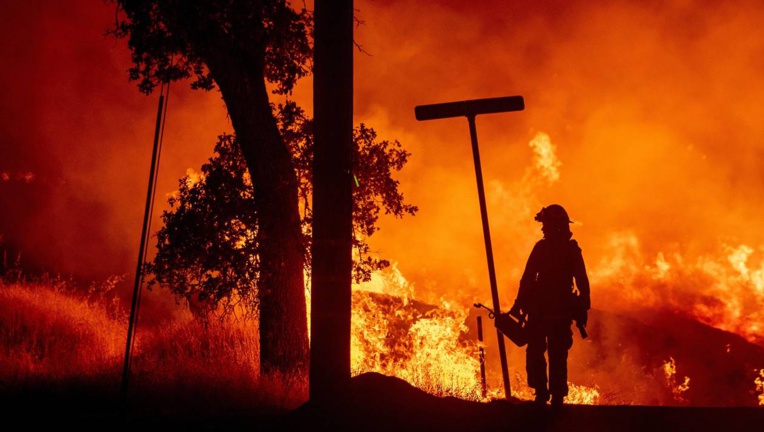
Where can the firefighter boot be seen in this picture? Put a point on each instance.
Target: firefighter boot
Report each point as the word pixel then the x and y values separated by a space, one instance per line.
pixel 557 401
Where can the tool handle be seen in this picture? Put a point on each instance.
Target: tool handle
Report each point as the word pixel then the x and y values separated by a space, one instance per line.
pixel 491 313
pixel 582 330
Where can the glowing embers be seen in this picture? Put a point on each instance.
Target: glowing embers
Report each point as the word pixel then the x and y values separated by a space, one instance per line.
pixel 18 176
pixel 759 381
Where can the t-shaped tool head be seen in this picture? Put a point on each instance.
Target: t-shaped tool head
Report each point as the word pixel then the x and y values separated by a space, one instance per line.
pixel 469 108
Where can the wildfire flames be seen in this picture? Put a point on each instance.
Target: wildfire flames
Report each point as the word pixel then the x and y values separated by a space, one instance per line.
pixel 669 368
pixel 544 157
pixel 427 346
pixel 642 119
pixel 433 346
pixel 723 292
pixel 395 335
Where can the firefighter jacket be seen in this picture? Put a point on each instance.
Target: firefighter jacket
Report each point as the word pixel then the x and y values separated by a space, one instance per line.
pixel 547 286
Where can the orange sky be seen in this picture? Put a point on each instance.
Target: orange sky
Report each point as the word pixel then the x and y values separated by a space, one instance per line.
pixel 653 108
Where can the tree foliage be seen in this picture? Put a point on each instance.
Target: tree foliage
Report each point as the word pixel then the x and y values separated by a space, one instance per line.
pixel 177 39
pixel 208 247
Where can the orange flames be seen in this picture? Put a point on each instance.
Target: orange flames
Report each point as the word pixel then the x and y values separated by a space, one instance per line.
pixel 723 290
pixel 422 344
pixel 426 345
pixel 430 346
pixel 669 369
pixel 544 157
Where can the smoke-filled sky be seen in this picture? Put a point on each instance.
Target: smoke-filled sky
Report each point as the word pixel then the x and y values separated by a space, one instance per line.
pixel 651 107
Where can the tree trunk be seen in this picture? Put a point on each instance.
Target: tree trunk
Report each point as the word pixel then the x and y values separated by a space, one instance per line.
pixel 281 288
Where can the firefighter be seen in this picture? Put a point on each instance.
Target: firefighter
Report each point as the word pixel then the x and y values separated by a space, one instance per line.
pixel 550 303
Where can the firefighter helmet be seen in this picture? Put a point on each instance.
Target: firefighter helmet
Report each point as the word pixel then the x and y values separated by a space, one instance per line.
pixel 554 213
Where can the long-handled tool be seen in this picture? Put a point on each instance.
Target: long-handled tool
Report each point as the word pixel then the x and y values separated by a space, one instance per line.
pixel 470 109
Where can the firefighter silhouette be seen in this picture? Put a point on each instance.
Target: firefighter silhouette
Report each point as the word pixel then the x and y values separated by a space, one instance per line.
pixel 549 302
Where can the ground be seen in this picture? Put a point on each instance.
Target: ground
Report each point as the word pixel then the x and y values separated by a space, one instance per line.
pixel 381 403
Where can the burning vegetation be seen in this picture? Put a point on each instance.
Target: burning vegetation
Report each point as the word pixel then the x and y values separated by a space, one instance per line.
pixel 621 364
pixel 432 346
pixel 677 387
pixel 660 200
pixel 662 321
pixel 659 325
pixel 419 343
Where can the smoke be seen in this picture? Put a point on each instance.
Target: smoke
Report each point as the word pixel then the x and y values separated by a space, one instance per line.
pixel 651 110
pixel 72 119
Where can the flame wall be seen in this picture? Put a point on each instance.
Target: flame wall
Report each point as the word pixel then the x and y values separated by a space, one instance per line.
pixel 651 108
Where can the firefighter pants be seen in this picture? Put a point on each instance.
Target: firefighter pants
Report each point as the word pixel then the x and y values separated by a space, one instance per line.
pixel 556 337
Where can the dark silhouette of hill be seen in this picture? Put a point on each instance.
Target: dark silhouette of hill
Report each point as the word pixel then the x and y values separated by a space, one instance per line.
pixel 381 403
pixel 721 365
pixel 625 353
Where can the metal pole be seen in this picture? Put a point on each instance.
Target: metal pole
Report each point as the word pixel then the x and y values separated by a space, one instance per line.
pixel 481 356
pixel 139 270
pixel 489 253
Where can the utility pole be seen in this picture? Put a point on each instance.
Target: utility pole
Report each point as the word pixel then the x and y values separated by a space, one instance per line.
pixel 137 288
pixel 332 199
pixel 470 109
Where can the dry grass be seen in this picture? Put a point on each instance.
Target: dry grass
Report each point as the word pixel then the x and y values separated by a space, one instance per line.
pixel 50 337
pixel 54 340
